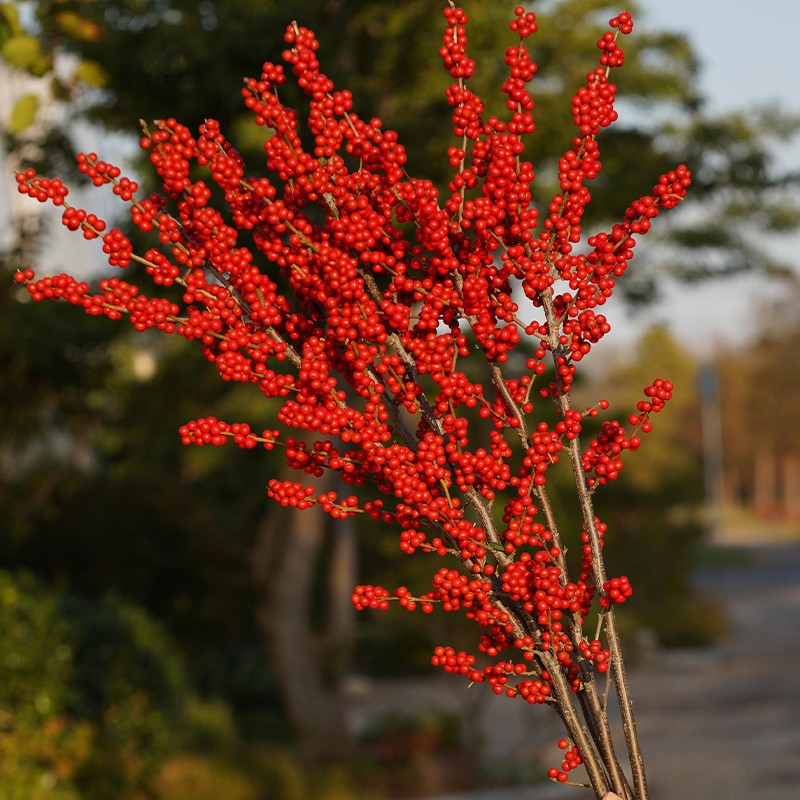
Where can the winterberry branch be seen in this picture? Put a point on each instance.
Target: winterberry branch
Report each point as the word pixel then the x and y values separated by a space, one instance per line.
pixel 340 313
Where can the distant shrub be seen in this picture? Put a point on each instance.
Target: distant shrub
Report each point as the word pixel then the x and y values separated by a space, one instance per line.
pixel 90 694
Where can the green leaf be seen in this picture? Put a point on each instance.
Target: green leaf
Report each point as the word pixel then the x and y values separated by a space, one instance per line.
pixel 23 114
pixel 91 73
pixel 23 52
pixel 9 22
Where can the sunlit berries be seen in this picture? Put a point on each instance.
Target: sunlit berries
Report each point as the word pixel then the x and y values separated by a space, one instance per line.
pixel 406 336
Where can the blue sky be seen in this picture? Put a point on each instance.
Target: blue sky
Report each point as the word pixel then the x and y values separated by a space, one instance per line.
pixel 748 51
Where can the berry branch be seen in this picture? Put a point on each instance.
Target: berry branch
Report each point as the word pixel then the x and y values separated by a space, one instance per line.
pixel 387 321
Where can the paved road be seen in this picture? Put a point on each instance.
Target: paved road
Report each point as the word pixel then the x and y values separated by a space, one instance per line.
pixel 726 722
pixel 718 723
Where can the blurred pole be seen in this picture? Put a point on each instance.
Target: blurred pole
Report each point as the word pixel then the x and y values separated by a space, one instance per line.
pixel 711 419
pixel 342 576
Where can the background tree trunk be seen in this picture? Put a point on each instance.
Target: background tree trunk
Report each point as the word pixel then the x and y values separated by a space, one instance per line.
pixel 294 551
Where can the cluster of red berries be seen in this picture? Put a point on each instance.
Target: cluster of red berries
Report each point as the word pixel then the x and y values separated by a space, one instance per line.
pixel 536 691
pixel 617 590
pixel 42 189
pixel 525 22
pixel 657 393
pixel 572 759
pixel 521 70
pixel 291 493
pixel 375 597
pixel 213 431
pixel 603 457
pixel 368 309
pixel 118 247
pixel 451 661
pixel 533 690
pixel 453 50
pixel 594 651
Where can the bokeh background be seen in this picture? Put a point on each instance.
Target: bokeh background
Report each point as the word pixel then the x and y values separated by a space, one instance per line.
pixel 168 633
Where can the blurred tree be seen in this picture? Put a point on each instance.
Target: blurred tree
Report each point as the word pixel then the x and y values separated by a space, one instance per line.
pixel 673 450
pixel 743 201
pixel 96 491
pixel 91 694
pixel 761 451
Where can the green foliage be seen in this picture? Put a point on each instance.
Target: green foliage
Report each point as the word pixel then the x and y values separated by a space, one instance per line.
pixel 9 22
pixel 90 693
pixel 206 777
pixel 23 113
pixel 669 463
pixel 40 762
pixel 257 774
pixel 208 726
pixel 90 447
pixel 91 73
pixel 25 53
pixel 34 52
pixel 36 655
